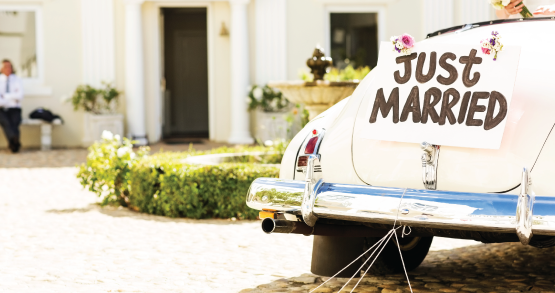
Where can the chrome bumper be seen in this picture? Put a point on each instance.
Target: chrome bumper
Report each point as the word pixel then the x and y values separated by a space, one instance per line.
pixel 489 212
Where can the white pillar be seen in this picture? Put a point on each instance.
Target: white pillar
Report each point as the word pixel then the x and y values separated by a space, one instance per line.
pixel 271 41
pixel 438 14
pixel 134 72
pixel 471 11
pixel 97 26
pixel 239 38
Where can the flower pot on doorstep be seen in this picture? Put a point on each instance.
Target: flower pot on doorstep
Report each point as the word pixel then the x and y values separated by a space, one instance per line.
pixel 95 124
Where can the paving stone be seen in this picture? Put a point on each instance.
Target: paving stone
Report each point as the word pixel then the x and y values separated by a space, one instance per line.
pixel 304 280
pixel 323 290
pixel 434 286
pixel 391 291
pixel 448 290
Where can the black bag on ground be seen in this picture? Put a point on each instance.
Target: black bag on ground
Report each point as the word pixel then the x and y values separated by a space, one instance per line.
pixel 43 114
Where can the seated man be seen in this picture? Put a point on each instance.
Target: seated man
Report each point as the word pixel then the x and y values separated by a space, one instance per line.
pixel 11 94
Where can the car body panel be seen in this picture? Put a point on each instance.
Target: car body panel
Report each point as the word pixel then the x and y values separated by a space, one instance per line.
pixel 335 151
pixel 529 122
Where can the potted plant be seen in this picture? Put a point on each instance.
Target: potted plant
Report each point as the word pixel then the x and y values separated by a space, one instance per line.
pixel 275 118
pixel 100 106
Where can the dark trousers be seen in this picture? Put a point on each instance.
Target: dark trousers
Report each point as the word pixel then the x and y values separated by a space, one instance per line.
pixel 10 119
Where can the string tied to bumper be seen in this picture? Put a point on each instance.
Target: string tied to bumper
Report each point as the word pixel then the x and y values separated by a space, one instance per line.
pixel 379 245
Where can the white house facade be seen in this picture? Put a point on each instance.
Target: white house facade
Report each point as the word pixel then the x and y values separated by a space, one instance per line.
pixel 184 66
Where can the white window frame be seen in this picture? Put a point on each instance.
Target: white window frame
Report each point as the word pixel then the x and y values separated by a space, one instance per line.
pixel 380 10
pixel 33 85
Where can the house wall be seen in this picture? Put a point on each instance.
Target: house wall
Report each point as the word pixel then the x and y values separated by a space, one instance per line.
pixel 222 64
pixel 61 52
pixel 306 24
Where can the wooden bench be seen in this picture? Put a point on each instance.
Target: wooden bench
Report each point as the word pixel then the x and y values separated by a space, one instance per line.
pixel 45 131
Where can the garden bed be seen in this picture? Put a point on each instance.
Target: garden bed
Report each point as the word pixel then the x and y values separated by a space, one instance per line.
pixel 178 184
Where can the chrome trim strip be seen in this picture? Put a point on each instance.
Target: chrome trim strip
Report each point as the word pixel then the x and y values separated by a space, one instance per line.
pixel 429 159
pixel 420 208
pixel 313 181
pixel 310 192
pixel 524 209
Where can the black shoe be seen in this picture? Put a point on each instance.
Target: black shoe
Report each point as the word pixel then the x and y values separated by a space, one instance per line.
pixel 15 145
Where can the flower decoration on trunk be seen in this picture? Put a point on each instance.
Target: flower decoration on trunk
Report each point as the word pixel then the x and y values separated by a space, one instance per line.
pixel 403 44
pixel 492 45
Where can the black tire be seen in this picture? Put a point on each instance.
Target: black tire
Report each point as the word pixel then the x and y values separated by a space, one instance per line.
pixel 331 254
pixel 414 250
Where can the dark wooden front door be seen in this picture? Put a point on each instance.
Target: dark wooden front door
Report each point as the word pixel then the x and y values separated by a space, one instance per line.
pixel 186 72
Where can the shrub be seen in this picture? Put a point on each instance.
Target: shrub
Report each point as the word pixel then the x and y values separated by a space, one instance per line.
pixel 267 99
pixel 95 100
pixel 177 190
pixel 106 171
pixel 163 184
pixel 349 73
pixel 335 74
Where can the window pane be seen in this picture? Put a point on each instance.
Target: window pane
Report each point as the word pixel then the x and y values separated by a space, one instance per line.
pixel 354 39
pixel 18 41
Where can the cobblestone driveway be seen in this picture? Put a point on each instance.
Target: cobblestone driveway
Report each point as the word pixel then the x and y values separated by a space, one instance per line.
pixel 54 239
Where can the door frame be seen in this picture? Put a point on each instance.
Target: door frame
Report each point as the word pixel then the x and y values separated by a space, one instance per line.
pixel 378 9
pixel 159 55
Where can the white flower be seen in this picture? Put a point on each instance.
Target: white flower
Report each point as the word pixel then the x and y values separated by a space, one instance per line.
pixel 505 2
pixel 258 93
pixel 274 103
pixel 107 135
pixel 268 143
pixel 399 45
pixel 117 137
pixel 406 51
pixel 393 39
pixel 123 151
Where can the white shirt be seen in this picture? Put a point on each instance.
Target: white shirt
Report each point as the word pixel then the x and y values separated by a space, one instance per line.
pixel 12 98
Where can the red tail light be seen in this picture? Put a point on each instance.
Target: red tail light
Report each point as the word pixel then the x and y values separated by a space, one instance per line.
pixel 303 161
pixel 311 145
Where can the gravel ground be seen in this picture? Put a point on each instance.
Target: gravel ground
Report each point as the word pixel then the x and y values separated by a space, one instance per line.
pixel 54 238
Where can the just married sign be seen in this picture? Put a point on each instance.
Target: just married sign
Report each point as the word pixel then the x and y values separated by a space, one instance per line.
pixel 444 94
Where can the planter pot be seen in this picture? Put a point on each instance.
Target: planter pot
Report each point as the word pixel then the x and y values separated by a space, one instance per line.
pixel 275 125
pixel 95 124
pixel 317 96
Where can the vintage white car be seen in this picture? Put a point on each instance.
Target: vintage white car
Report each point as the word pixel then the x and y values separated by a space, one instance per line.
pixel 346 180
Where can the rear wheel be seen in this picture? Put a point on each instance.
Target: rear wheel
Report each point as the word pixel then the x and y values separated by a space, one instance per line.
pixel 413 249
pixel 331 254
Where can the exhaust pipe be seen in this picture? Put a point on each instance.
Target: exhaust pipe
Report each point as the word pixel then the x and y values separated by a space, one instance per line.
pixel 270 225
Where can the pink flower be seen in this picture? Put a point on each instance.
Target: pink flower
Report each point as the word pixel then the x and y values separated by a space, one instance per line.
pixel 485 51
pixel 407 40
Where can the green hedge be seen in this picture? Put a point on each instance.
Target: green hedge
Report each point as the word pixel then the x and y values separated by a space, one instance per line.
pixel 162 184
pixel 177 190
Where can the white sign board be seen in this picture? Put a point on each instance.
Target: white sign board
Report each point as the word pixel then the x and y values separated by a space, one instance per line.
pixel 444 94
